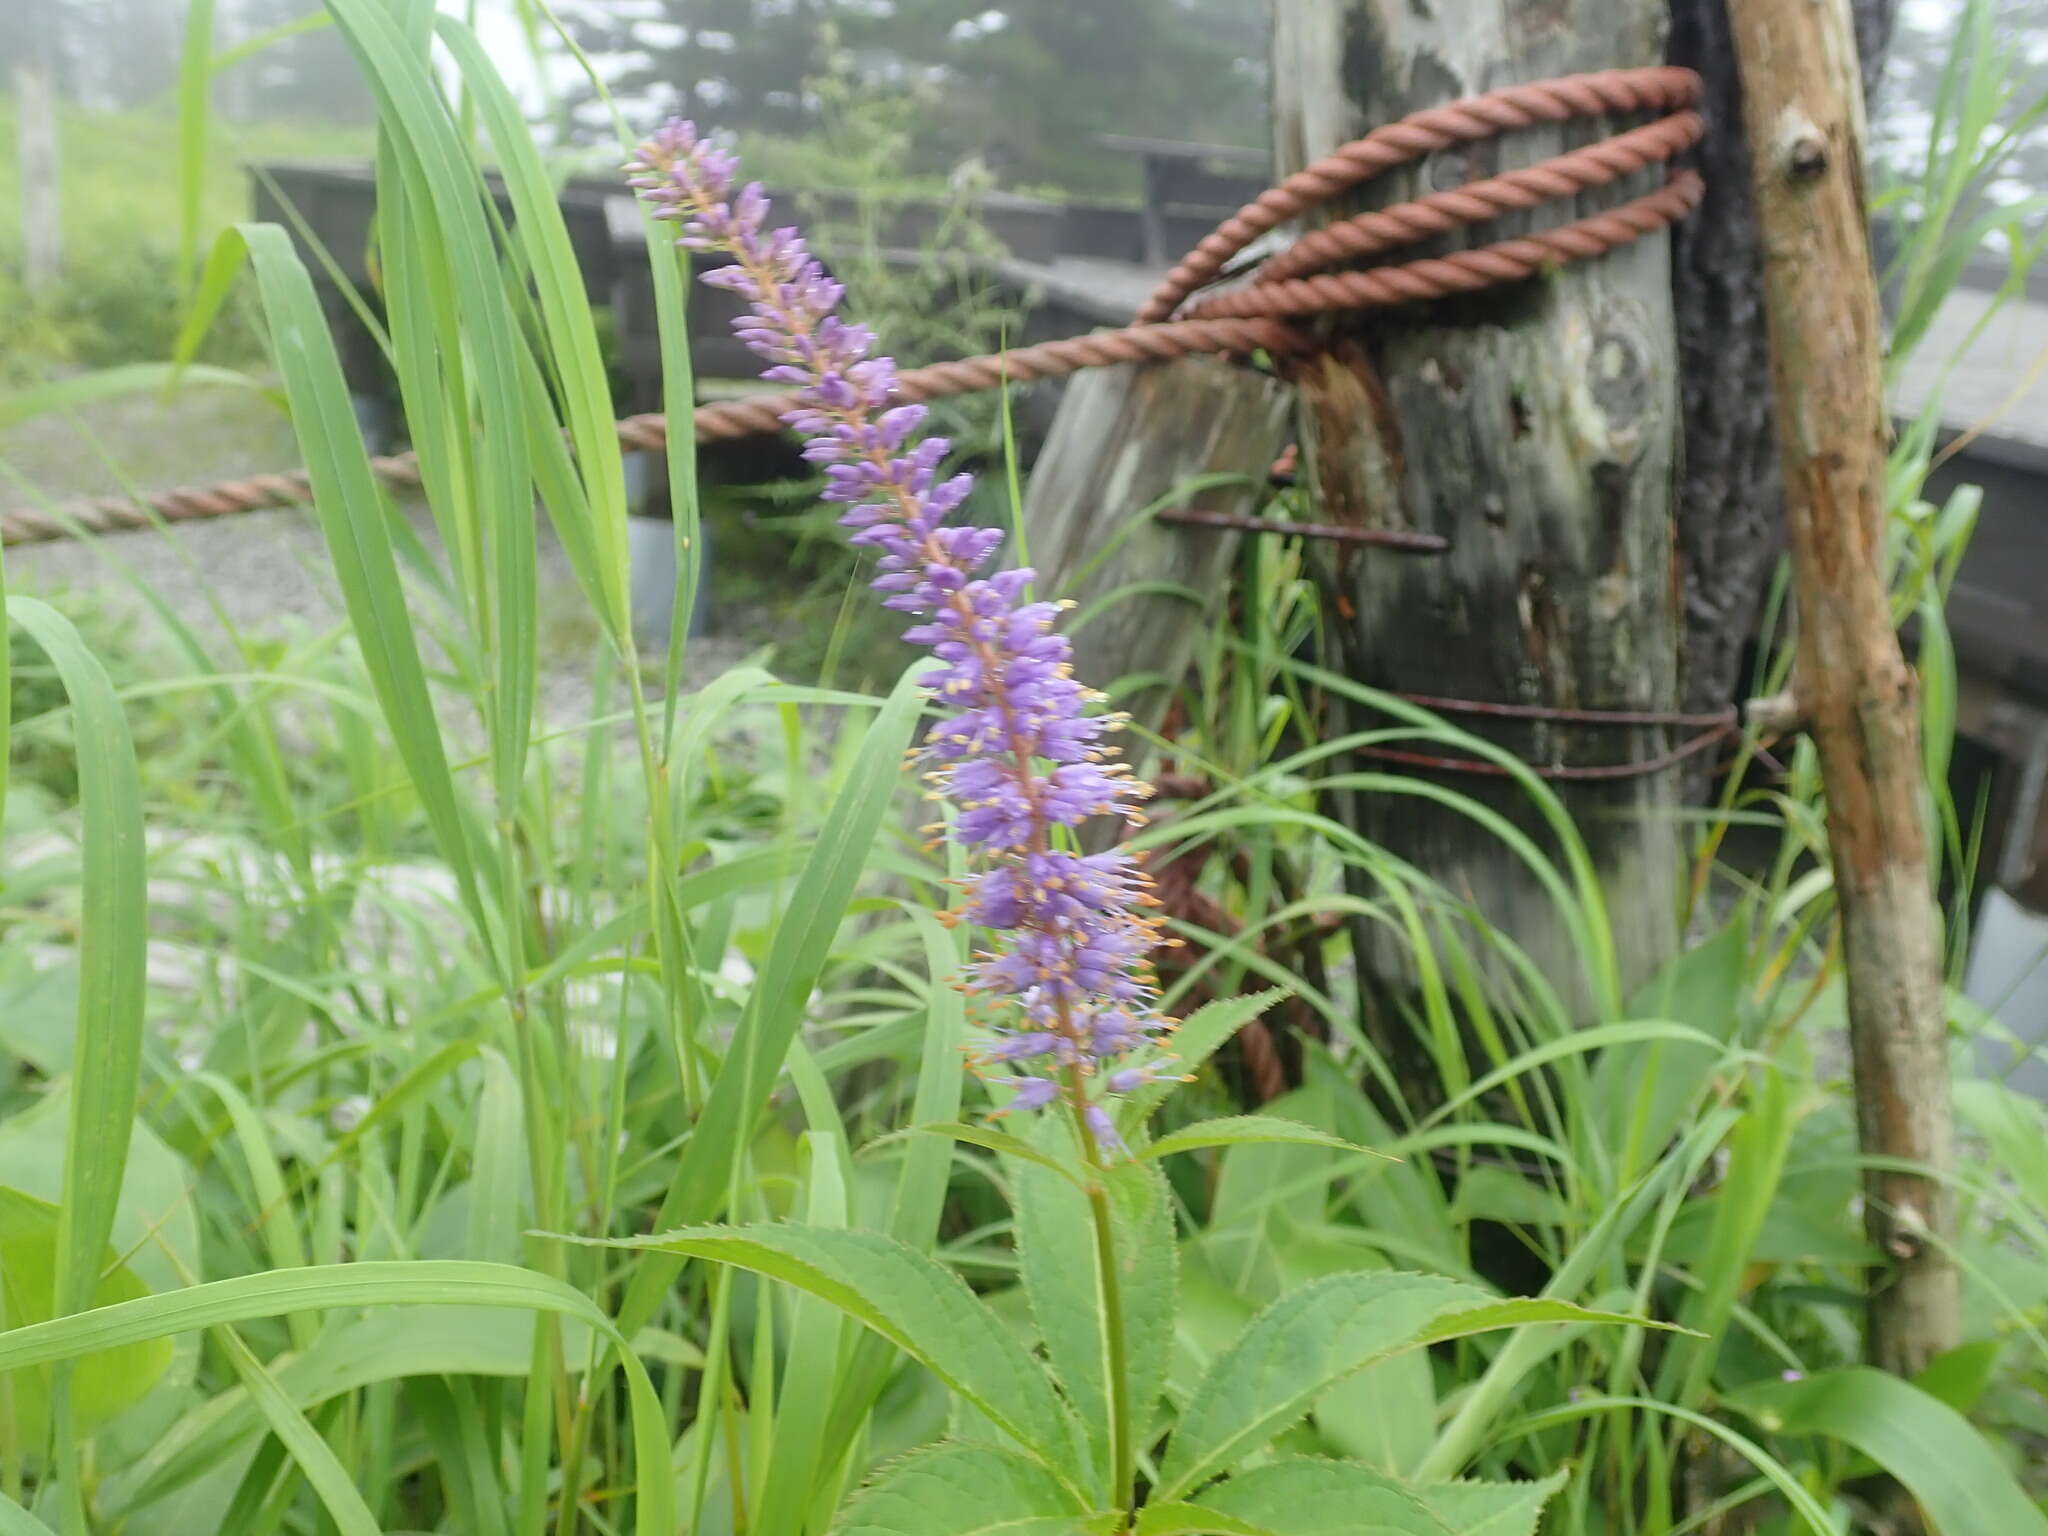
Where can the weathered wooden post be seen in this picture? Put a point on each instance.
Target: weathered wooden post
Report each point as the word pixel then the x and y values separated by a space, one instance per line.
pixel 1533 425
pixel 1803 106
pixel 1126 438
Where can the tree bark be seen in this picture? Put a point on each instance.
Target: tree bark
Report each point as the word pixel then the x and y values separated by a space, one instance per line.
pixel 1730 527
pixel 1534 426
pixel 1803 110
pixel 1125 439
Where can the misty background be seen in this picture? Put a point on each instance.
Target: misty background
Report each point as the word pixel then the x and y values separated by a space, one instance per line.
pixel 1023 90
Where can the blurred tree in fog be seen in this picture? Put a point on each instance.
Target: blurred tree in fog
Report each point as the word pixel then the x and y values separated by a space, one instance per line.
pixel 740 63
pixel 311 77
pixel 1026 87
pixel 1031 87
pixel 100 53
pixel 112 55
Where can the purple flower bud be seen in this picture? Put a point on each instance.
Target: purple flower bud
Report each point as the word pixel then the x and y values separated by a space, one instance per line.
pixel 1016 752
pixel 1034 1093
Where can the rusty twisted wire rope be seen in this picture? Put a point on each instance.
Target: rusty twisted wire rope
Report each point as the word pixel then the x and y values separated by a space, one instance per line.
pixel 1255 317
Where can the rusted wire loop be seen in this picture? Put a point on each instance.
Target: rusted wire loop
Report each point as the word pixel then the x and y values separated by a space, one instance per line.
pixel 1405 539
pixel 1719 719
pixel 1692 746
pixel 1256 318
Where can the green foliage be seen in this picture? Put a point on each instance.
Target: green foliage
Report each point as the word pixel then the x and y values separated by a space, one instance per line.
pixel 119 298
pixel 100 1385
pixel 1028 89
pixel 359 1022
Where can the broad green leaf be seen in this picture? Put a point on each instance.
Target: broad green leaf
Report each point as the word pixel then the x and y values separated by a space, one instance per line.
pixel 1385 1416
pixel 1960 1376
pixel 996 1139
pixel 1184 1518
pixel 1949 1466
pixel 1643 1090
pixel 102 1384
pixel 1057 1252
pixel 1148 1267
pixel 1312 1338
pixel 1240 1130
pixel 16 1521
pixel 156 1228
pixel 1305 1497
pixel 1492 1509
pixel 1292 1352
pixel 38 1006
pixel 966 1490
pixel 912 1301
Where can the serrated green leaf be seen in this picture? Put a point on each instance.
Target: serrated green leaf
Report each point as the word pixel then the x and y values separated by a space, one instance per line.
pixel 1522 1312
pixel 1199 1037
pixel 1241 1130
pixel 1306 1497
pixel 994 1139
pixel 1385 1416
pixel 1492 1509
pixel 1181 1518
pixel 917 1304
pixel 1141 1204
pixel 1938 1454
pixel 1314 1337
pixel 1293 1351
pixel 966 1490
pixel 1056 1249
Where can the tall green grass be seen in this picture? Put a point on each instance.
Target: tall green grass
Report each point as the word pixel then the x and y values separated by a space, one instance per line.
pixel 341 1039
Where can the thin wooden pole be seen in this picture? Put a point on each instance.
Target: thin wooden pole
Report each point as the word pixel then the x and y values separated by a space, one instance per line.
pixel 1803 110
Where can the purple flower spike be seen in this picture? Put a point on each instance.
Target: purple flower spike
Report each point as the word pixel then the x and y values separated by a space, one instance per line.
pixel 1016 750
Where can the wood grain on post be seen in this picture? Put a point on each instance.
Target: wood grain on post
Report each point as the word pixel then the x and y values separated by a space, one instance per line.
pixel 1534 425
pixel 1803 109
pixel 1126 439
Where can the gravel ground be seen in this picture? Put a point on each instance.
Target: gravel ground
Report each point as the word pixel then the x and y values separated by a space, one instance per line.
pixel 267 573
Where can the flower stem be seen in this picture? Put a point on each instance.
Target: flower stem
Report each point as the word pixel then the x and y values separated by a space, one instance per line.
pixel 1122 1452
